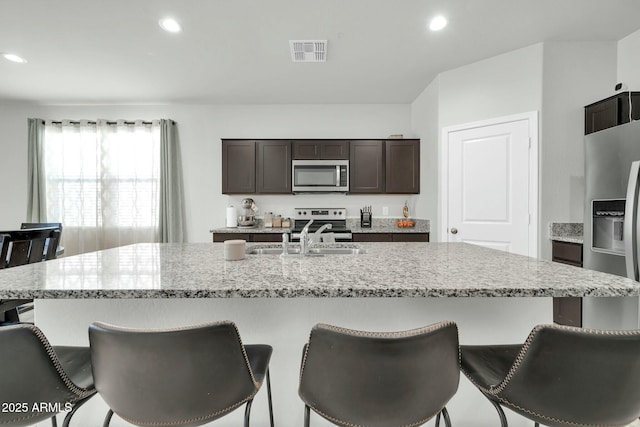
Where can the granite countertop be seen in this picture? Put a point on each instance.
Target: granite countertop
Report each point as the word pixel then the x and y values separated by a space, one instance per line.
pixel 571 232
pixel 198 270
pixel 379 225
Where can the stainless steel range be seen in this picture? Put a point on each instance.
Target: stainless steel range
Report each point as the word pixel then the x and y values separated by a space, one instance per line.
pixel 337 217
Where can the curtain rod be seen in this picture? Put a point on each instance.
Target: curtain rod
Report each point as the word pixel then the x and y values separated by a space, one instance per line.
pixel 93 123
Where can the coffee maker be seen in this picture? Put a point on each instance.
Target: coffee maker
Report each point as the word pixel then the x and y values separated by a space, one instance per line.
pixel 248 216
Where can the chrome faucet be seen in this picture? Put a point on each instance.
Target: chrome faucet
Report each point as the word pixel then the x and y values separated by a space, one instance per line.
pixel 306 239
pixel 317 236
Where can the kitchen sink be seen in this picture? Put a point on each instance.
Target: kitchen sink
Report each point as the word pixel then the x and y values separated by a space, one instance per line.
pixel 271 251
pixel 337 251
pixel 312 251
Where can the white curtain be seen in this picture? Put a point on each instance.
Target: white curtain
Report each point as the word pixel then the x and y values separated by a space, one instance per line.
pixel 103 182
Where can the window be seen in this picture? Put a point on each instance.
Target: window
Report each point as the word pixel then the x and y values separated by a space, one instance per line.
pixel 102 182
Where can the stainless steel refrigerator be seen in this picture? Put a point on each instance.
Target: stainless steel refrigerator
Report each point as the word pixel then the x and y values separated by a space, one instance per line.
pixel 611 220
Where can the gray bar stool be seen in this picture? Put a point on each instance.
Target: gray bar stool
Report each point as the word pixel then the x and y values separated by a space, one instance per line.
pixel 561 376
pixel 178 377
pixel 380 379
pixel 38 380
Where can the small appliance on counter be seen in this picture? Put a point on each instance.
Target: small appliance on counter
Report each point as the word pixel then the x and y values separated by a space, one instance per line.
pixel 248 217
pixel 232 217
pixel 365 217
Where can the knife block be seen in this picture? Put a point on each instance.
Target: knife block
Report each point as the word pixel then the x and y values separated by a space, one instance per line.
pixel 365 219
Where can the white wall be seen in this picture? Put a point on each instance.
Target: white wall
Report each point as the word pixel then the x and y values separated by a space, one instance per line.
pixel 574 75
pixel 557 80
pixel 629 61
pixel 499 86
pixel 424 121
pixel 201 127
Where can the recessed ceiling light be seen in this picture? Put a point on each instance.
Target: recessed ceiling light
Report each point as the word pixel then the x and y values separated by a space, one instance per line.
pixel 170 25
pixel 438 23
pixel 14 58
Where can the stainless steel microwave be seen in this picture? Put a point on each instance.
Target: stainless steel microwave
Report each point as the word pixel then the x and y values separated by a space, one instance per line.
pixel 320 176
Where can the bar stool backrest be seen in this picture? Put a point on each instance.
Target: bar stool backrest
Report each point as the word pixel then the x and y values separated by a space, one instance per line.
pixel 31 374
pixel 582 376
pixel 380 379
pixel 181 377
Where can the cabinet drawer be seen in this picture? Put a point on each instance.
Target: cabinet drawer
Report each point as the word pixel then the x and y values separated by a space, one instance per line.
pixel 410 237
pixel 567 253
pixel 221 237
pixel 372 237
pixel 266 237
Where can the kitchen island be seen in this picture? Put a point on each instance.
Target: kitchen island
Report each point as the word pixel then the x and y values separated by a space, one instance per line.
pixel 493 297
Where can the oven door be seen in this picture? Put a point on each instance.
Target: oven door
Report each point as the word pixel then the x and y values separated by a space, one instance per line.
pixel 320 176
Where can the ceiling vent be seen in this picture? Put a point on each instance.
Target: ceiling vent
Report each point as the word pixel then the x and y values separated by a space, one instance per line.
pixel 308 50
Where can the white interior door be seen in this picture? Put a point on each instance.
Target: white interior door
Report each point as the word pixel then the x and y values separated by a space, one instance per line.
pixel 489 185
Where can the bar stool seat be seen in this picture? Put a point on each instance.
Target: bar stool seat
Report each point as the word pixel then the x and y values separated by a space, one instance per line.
pixel 561 376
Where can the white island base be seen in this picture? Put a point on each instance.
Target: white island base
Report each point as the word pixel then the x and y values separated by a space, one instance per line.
pixel 285 323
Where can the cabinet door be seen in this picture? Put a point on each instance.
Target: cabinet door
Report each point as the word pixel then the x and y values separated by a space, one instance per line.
pixel 273 167
pixel 321 149
pixel 402 169
pixel 567 310
pixel 306 150
pixel 334 150
pixel 238 167
pixel 601 115
pixel 366 166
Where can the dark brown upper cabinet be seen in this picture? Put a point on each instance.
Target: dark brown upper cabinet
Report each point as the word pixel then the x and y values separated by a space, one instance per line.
pixel 321 149
pixel 402 166
pixel 610 112
pixel 366 166
pixel 238 167
pixel 273 171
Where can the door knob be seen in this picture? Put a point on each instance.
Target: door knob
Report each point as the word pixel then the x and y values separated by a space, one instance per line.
pixel 454 230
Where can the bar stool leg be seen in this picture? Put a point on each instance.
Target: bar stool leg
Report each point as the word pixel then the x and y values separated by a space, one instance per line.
pixel 247 413
pixel 445 415
pixel 269 398
pixel 503 418
pixel 54 422
pixel 306 415
pixel 67 419
pixel 107 419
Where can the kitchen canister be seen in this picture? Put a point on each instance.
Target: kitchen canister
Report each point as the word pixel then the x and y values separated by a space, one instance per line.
pixel 232 217
pixel 234 250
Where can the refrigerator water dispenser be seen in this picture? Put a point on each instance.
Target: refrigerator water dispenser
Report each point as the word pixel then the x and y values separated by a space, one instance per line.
pixel 608 226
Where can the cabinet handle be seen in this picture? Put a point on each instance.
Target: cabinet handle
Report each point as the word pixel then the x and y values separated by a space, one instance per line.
pixel 454 230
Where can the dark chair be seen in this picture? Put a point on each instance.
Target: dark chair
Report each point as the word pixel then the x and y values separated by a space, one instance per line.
pixel 380 379
pixel 25 246
pixel 39 380
pixel 178 377
pixel 53 244
pixel 561 376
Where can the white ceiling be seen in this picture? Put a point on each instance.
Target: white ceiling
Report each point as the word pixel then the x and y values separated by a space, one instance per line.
pixel 237 51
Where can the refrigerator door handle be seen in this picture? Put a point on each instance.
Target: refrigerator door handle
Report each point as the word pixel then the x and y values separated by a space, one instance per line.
pixel 630 237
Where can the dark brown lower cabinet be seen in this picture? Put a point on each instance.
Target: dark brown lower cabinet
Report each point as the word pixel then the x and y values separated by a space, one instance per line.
pixel 249 237
pixel 390 237
pixel 567 310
